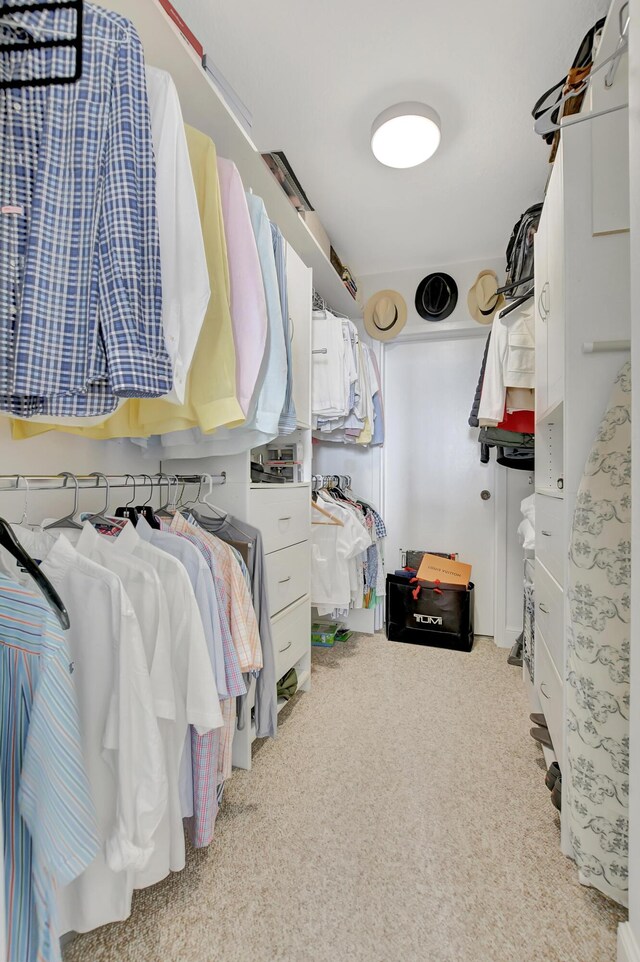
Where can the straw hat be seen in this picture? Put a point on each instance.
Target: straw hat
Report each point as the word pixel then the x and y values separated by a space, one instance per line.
pixel 483 299
pixel 385 315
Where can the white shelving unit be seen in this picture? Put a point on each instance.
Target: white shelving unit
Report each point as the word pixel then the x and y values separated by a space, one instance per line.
pixel 582 282
pixel 204 107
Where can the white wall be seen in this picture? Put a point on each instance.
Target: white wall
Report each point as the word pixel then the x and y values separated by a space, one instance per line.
pixel 406 282
pixel 514 485
pixel 55 452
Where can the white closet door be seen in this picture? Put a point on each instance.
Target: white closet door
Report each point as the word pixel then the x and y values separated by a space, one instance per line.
pixel 299 289
pixel 433 476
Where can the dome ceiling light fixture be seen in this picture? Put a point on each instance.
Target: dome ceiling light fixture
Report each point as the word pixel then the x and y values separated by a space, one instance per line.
pixel 405 135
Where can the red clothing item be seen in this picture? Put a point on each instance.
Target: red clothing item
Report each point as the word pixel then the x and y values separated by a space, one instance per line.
pixel 524 422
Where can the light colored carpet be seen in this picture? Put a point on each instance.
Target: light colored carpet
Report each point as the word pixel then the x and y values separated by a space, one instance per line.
pixel 401 815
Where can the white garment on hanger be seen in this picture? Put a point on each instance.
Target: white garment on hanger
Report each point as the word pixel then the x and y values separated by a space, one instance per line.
pixel 510 363
pixel 121 742
pixel 196 698
pixel 334 550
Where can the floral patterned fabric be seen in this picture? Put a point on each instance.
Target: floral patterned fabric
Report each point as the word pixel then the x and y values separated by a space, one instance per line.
pixel 597 782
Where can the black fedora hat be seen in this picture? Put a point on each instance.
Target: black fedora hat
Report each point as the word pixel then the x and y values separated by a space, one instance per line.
pixel 436 296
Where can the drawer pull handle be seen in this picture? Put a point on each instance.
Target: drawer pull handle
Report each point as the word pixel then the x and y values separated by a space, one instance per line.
pixel 543 608
pixel 285 519
pixel 286 647
pixel 284 580
pixel 548 697
pixel 547 534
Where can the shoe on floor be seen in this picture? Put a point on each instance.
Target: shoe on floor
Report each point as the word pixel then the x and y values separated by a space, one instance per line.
pixel 541 735
pixel 515 655
pixel 552 776
pixel 556 793
pixel 539 720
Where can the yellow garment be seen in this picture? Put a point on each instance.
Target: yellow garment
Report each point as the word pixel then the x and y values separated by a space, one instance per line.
pixel 211 400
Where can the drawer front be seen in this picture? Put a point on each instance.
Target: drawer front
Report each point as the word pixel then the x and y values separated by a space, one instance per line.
pixel 287 576
pixel 550 693
pixel 549 600
pixel 550 546
pixel 291 636
pixel 283 516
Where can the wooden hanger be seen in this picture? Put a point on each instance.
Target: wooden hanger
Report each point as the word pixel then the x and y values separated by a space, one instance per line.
pixel 327 514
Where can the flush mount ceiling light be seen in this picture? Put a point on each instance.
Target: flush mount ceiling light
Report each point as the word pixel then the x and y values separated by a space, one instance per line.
pixel 405 135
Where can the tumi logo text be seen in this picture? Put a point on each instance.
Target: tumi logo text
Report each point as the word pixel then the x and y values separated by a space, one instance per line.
pixel 428 619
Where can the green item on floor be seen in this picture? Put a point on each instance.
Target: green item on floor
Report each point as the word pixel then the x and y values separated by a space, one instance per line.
pixel 343 634
pixel 288 686
pixel 324 635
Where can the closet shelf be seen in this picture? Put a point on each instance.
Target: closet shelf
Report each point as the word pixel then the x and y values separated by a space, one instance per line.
pixel 555 410
pixel 203 107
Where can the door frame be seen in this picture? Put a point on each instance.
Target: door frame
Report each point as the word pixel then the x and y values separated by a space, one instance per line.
pixel 500 487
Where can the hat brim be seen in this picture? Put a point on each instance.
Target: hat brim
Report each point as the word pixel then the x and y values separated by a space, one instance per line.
pixel 389 333
pixel 484 315
pixel 451 304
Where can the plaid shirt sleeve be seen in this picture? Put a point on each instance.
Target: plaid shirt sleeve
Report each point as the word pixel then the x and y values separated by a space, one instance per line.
pixel 129 247
pixel 83 283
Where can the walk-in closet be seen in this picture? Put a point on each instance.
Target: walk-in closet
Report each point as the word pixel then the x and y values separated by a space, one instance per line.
pixel 318 610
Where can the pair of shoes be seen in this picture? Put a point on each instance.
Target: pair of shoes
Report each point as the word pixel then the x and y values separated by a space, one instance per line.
pixel 539 720
pixel 556 792
pixel 552 776
pixel 541 735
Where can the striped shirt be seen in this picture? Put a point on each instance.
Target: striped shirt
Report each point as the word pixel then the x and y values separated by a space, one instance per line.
pixel 50 832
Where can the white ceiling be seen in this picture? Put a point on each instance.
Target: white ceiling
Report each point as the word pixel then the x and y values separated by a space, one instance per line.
pixel 315 75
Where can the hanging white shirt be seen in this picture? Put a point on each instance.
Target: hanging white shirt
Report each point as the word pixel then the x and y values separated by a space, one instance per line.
pixel 510 363
pixel 121 742
pixel 196 699
pixel 332 548
pixel 185 277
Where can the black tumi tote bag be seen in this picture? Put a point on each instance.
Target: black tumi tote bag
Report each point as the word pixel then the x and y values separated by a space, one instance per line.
pixel 426 614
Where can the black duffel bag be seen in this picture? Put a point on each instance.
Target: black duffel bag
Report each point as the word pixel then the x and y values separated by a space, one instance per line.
pixel 426 614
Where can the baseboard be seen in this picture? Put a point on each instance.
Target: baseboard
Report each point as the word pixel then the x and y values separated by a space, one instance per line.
pixel 507 638
pixel 628 946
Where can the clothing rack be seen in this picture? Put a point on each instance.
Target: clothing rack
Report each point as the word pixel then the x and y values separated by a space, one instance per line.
pixel 319 304
pixel 7 14
pixel 599 347
pixel 57 482
pixel 330 481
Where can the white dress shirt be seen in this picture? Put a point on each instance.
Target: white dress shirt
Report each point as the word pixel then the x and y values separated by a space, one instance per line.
pixel 196 698
pixel 121 742
pixel 185 277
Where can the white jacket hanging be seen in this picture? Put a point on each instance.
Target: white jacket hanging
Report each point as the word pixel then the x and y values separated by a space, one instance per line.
pixel 510 363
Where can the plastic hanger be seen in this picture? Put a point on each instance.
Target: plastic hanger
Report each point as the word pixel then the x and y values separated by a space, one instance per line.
pixel 69 519
pixel 23 519
pixel 11 544
pixel 128 511
pixel 220 514
pixel 163 511
pixel 145 509
pixel 101 517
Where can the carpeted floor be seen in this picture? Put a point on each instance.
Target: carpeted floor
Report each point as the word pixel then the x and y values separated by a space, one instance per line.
pixel 401 815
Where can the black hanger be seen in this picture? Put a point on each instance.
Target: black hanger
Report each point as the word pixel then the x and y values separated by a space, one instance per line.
pixel 145 509
pixel 73 43
pixel 128 511
pixel 9 541
pixel 516 304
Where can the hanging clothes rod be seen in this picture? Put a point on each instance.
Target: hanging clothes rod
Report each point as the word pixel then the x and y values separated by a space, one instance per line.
pixel 599 347
pixel 55 482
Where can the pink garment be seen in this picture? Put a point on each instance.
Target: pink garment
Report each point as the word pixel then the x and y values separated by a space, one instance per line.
pixel 248 304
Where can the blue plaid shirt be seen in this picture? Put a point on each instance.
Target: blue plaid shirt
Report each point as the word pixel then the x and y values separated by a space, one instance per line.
pixel 80 283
